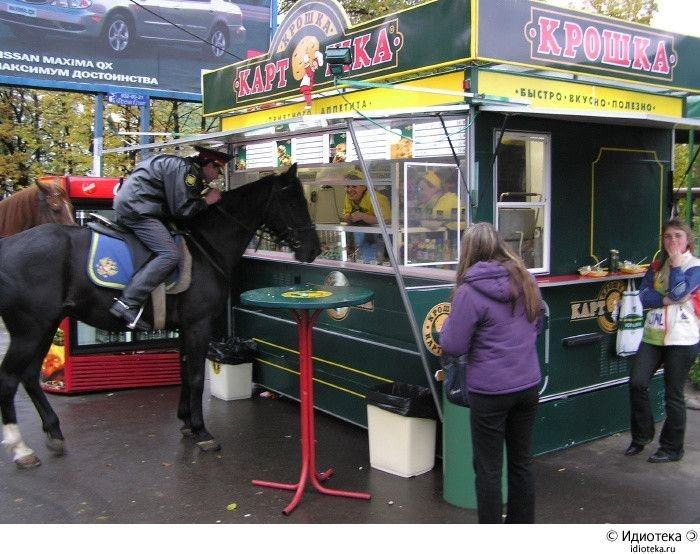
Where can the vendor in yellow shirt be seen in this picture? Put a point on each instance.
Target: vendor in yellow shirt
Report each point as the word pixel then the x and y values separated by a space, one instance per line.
pixel 442 206
pixel 358 210
pixel 357 205
pixel 434 202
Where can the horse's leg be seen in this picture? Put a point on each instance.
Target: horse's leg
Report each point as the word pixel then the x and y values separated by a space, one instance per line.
pixel 17 356
pixel 29 342
pixel 12 440
pixel 195 343
pixel 183 408
pixel 49 419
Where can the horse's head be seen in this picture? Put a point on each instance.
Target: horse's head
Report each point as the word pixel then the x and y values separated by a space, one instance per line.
pixel 287 216
pixel 60 209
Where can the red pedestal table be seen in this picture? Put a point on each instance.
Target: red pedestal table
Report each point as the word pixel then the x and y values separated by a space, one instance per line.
pixel 306 302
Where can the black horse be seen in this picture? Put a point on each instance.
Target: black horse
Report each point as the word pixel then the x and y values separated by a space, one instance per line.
pixel 43 279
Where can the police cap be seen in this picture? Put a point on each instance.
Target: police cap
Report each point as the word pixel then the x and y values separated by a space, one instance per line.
pixel 211 155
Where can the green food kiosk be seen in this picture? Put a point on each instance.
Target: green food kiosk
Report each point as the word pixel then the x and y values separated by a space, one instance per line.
pixel 557 126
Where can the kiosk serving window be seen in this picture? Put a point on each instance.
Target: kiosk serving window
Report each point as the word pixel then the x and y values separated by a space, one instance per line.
pixel 522 196
pixel 412 168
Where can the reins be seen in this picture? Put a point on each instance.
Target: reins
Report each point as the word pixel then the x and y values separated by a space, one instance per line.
pixel 290 236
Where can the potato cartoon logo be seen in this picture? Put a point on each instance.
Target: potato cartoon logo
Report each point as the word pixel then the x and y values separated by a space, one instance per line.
pixel 308 46
pixel 306 59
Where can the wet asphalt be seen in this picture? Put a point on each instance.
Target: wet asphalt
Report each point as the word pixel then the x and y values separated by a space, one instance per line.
pixel 127 463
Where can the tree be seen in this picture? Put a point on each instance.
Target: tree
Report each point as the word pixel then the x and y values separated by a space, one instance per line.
pixel 51 133
pixel 362 10
pixel 637 11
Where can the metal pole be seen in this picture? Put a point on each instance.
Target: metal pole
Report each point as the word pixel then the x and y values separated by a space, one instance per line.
pixel 98 138
pixel 145 125
pixel 689 180
pixel 394 264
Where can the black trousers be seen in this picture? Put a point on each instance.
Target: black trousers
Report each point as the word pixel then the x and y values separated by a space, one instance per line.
pixel 157 238
pixel 495 419
pixel 676 361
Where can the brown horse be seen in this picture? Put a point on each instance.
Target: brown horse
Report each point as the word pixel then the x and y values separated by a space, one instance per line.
pixel 44 202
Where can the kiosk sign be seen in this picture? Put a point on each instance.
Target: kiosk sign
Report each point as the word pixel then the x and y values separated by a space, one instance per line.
pixel 294 64
pixel 546 36
pixel 582 41
pixel 300 37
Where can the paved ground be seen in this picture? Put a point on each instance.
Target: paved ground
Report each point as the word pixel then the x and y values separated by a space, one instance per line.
pixel 126 463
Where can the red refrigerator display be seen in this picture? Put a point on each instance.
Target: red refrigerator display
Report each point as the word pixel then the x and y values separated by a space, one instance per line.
pixel 83 358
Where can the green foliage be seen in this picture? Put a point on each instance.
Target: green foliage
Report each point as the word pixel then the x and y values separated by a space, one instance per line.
pixel 695 373
pixel 51 133
pixel 638 11
pixel 362 10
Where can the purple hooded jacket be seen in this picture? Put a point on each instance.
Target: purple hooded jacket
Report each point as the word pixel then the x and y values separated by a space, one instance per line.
pixel 502 355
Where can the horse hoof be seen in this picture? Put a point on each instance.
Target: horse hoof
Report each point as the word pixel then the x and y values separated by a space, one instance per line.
pixel 209 445
pixel 186 432
pixel 56 446
pixel 28 461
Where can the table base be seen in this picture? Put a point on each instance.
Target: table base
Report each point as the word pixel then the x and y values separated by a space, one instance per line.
pixel 308 434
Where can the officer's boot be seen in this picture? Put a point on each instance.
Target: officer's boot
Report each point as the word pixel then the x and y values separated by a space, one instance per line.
pixel 130 314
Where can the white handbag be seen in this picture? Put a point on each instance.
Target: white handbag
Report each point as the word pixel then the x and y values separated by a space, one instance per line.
pixel 630 322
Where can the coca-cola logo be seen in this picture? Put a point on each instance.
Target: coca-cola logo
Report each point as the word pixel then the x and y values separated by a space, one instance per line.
pixel 89 188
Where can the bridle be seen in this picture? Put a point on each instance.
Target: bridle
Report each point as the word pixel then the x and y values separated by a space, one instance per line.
pixel 290 235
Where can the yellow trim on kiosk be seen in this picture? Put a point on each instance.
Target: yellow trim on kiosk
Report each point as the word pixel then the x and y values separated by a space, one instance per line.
pixel 327 362
pixel 362 100
pixel 661 189
pixel 319 381
pixel 474 37
pixel 547 93
pixel 541 67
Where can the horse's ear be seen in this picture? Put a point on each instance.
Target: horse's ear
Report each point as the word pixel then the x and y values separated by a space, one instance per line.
pixel 44 186
pixel 292 171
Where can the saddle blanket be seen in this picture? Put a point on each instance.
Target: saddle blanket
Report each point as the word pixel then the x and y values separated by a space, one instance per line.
pixel 110 263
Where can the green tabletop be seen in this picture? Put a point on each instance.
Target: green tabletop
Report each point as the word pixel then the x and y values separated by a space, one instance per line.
pixel 315 297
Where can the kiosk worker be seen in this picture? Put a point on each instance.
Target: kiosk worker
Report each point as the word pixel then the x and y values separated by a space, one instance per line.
pixel 358 210
pixel 160 189
pixel 671 336
pixel 495 318
pixel 431 198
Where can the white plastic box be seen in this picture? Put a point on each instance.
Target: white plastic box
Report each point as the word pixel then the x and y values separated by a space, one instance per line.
pixel 398 444
pixel 230 382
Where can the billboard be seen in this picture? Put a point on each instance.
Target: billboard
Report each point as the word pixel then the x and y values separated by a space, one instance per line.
pixel 158 47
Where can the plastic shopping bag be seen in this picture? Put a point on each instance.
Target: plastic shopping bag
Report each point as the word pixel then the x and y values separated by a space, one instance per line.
pixel 630 322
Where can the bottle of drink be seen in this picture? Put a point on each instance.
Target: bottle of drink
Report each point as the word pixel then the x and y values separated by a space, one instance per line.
pixel 614 260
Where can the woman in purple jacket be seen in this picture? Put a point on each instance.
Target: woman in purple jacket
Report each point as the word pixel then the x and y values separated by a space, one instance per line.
pixel 495 318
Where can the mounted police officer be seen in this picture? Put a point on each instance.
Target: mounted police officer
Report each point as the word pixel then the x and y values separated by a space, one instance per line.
pixel 160 189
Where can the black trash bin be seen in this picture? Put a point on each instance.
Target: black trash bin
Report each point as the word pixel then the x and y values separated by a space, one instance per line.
pixel 401 427
pixel 230 368
pixel 233 350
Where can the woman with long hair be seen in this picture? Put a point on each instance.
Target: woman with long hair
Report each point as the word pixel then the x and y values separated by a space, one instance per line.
pixel 495 318
pixel 671 335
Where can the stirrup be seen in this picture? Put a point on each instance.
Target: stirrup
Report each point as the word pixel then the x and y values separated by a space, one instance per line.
pixel 132 324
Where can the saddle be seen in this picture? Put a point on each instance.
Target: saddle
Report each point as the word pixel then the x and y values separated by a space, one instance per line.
pixel 116 254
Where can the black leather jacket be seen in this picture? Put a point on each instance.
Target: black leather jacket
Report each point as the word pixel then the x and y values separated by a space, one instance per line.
pixel 164 187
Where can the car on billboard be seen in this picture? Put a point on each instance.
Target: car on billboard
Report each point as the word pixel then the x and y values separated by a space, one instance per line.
pixel 119 24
